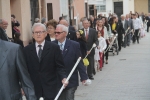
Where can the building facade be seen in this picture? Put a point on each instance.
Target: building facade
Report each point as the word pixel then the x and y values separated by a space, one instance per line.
pixel 72 10
pixel 120 6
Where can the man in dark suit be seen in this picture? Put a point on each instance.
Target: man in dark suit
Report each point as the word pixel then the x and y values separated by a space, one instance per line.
pixel 3 27
pixel 120 30
pixel 13 70
pixel 130 25
pixel 91 38
pixel 148 23
pixel 71 31
pixel 71 52
pixel 45 63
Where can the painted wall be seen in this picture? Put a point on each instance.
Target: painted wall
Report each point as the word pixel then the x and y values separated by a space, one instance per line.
pixel 79 9
pixel 56 8
pixel 141 6
pixel 109 6
pixel 21 9
pixel 5 14
pixel 131 5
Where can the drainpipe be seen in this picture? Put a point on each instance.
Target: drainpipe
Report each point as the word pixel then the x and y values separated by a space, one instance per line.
pixel 69 2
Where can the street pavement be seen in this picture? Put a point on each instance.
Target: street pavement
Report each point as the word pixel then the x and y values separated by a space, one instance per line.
pixel 125 77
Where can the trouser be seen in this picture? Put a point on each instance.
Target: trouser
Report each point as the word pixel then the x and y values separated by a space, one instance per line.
pixel 148 28
pixel 68 93
pixel 128 38
pixel 106 53
pixel 136 36
pixel 101 59
pixel 90 68
pixel 119 42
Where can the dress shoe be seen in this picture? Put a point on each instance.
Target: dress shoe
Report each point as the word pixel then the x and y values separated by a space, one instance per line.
pixel 106 62
pixel 91 78
pixel 100 69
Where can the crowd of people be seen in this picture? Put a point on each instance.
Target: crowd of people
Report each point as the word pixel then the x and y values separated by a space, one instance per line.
pixel 42 67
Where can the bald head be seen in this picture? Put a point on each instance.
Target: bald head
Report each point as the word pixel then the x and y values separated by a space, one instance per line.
pixel 3 24
pixel 64 22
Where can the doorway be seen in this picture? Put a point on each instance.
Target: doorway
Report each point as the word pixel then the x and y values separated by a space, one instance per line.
pixel 118 8
pixel 49 11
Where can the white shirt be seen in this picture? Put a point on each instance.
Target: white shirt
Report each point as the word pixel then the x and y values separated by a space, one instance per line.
pixel 136 23
pixel 52 39
pixel 105 33
pixel 37 48
pixel 63 44
pixel 86 31
pixel 123 22
pixel 102 44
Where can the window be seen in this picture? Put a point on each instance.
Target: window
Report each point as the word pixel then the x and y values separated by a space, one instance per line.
pixel 103 8
pixel 97 7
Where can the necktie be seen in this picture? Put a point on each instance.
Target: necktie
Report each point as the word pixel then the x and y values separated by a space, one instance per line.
pixel 86 35
pixel 61 48
pixel 40 52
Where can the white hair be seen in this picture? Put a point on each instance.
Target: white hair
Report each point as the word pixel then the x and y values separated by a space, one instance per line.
pixel 38 24
pixel 122 15
pixel 64 28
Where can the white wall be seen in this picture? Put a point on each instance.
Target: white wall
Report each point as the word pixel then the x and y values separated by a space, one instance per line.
pixel 131 5
pixel 64 8
pixel 109 6
pixel 126 7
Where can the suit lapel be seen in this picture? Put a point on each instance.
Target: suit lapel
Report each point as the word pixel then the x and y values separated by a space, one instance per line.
pixel 3 53
pixel 89 34
pixel 34 53
pixel 66 48
pixel 46 50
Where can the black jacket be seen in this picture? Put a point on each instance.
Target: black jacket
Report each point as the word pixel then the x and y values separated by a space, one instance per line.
pixel 120 30
pixel 44 73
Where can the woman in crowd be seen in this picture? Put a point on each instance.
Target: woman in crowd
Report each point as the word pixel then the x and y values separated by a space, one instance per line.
pixel 51 26
pixel 107 25
pixel 104 34
pixel 82 41
pixel 17 39
pixel 113 25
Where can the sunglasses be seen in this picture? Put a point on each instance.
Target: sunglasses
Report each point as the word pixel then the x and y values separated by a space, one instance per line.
pixel 59 32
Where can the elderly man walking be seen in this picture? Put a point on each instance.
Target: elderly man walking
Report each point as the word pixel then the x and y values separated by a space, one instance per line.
pixel 45 64
pixel 71 52
pixel 3 27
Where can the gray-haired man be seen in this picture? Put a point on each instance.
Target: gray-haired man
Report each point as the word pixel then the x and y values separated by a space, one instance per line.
pixel 3 27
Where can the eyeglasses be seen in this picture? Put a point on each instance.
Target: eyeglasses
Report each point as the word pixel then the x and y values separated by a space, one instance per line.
pixel 59 32
pixel 39 32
